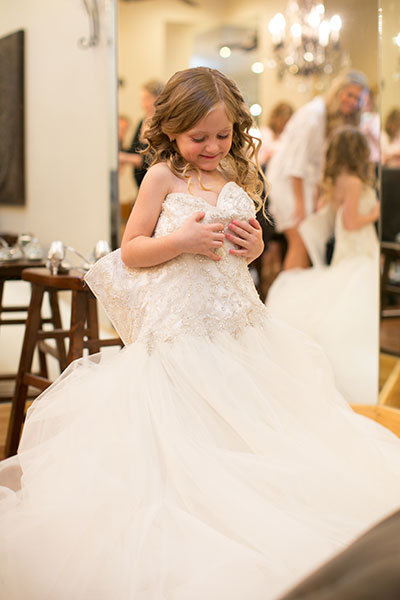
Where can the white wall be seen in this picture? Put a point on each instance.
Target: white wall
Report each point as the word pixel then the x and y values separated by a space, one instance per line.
pixel 68 145
pixel 390 57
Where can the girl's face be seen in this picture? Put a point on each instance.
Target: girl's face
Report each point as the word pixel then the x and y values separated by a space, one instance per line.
pixel 209 141
pixel 350 98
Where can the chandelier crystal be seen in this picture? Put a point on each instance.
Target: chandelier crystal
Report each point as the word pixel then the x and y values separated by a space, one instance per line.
pixel 304 41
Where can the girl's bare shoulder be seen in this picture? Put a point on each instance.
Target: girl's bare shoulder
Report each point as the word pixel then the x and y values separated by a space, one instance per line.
pixel 348 182
pixel 161 175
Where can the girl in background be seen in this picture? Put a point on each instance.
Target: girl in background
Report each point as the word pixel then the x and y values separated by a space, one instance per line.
pixel 338 305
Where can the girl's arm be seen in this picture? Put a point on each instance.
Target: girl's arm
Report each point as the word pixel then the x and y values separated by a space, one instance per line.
pixel 134 159
pixel 139 249
pixel 350 188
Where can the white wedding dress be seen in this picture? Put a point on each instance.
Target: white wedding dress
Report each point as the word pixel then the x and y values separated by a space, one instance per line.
pixel 338 306
pixel 212 458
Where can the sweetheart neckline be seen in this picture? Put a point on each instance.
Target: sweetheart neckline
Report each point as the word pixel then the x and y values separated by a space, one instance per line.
pixel 216 205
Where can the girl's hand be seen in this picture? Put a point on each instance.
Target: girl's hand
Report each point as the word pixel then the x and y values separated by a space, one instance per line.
pixel 195 237
pixel 248 236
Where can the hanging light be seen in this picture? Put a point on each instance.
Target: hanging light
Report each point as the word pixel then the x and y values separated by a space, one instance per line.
pixel 305 41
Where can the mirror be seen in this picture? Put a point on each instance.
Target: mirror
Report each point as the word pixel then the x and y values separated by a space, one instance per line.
pixel 158 38
pixel 69 146
pixel 390 193
pixel 70 121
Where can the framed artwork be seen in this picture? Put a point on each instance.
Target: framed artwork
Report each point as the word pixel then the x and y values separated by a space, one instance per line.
pixel 12 160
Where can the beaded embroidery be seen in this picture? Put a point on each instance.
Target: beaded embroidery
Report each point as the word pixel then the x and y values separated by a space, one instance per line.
pixel 189 294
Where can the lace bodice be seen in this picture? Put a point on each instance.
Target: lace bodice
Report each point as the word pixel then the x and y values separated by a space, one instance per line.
pixel 356 242
pixel 189 294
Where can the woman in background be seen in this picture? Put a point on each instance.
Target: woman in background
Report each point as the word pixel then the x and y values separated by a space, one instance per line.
pixel 295 169
pixel 148 95
pixel 338 305
pixel 271 134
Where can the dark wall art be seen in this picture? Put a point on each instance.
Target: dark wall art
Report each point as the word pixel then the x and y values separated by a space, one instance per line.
pixel 12 163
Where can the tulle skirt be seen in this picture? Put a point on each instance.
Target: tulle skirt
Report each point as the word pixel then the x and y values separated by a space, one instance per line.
pixel 222 470
pixel 338 306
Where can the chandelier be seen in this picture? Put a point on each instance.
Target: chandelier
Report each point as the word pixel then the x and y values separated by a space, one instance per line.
pixel 304 41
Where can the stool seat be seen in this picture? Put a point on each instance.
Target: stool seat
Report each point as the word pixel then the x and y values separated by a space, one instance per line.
pixel 82 333
pixel 71 281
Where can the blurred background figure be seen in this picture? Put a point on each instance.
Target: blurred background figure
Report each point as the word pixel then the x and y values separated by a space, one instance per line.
pixel 269 263
pixel 391 139
pixel 271 133
pixel 148 95
pixel 124 123
pixel 295 169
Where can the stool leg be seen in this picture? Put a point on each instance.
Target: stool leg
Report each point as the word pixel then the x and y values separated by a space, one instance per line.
pixel 56 318
pixel 93 325
pixel 25 366
pixel 78 321
pixel 43 371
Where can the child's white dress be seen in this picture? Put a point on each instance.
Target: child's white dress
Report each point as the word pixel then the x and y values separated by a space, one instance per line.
pixel 212 458
pixel 338 306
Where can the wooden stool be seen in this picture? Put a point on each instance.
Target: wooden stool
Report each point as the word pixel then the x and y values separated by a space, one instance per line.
pixel 83 333
pixel 11 271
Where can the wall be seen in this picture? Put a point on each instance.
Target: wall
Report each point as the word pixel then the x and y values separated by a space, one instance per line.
pixel 68 146
pixel 390 56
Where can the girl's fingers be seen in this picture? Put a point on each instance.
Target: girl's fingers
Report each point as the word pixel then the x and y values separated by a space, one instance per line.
pixel 241 226
pixel 238 252
pixel 237 240
pixel 219 237
pixel 216 226
pixel 217 244
pixel 213 256
pixel 255 224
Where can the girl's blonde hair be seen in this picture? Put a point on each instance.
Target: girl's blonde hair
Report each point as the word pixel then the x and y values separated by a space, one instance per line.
pixel 348 152
pixel 189 96
pixel 332 100
pixel 392 123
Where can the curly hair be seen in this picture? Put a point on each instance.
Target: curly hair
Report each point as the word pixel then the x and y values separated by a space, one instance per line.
pixel 348 152
pixel 189 96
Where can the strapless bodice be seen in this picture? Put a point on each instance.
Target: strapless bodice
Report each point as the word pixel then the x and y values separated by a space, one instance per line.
pixel 190 294
pixel 356 242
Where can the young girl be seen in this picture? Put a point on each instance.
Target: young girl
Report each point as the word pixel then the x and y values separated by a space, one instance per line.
pixel 338 305
pixel 212 457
